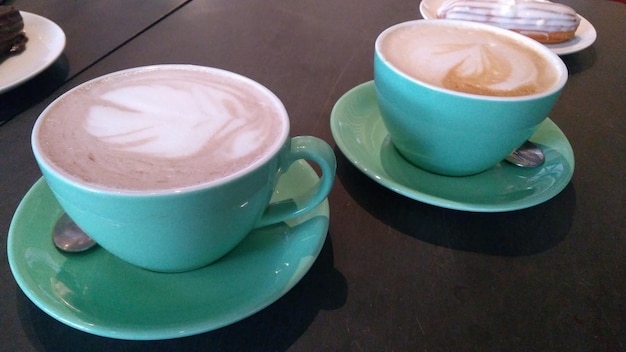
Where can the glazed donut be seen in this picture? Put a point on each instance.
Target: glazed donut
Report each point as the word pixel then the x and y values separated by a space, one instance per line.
pixel 542 20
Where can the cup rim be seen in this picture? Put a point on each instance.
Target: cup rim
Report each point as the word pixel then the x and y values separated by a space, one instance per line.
pixel 77 182
pixel 560 66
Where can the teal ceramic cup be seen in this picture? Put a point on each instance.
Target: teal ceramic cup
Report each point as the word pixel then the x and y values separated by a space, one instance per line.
pixel 184 229
pixel 454 133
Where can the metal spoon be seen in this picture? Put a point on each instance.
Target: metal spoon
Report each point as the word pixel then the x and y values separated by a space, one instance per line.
pixel 68 237
pixel 528 155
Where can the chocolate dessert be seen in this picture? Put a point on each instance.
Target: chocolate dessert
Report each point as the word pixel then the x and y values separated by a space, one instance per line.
pixel 12 37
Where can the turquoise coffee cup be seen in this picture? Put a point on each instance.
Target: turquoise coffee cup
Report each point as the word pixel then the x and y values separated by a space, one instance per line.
pixel 184 229
pixel 453 133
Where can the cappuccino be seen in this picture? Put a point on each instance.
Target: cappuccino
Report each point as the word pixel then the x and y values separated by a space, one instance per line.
pixel 468 60
pixel 162 128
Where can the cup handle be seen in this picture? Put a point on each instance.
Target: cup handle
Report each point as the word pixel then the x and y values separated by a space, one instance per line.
pixel 307 148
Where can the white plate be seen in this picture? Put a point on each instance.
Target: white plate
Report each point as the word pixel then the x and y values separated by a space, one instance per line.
pixel 585 34
pixel 46 42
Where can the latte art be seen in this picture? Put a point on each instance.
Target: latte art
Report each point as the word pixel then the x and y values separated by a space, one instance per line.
pixel 170 120
pixel 466 60
pixel 480 66
pixel 162 129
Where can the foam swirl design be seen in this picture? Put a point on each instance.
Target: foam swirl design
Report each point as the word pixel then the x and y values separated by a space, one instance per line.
pixel 474 62
pixel 159 129
pixel 170 121
pixel 481 68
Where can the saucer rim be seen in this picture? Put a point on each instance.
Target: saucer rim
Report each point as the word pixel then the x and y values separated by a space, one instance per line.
pixel 585 31
pixel 28 282
pixel 387 180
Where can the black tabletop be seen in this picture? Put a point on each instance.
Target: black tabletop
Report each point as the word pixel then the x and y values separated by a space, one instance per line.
pixel 394 274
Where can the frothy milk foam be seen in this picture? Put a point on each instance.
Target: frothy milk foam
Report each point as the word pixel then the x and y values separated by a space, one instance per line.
pixel 163 128
pixel 468 60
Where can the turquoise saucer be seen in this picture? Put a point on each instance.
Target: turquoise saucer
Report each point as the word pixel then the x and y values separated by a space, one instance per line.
pixel 359 132
pixel 102 295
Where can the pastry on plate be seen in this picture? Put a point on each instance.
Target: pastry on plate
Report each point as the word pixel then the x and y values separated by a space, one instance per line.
pixel 12 37
pixel 546 22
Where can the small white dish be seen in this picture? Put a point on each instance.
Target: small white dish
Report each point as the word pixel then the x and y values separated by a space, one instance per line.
pixel 46 41
pixel 585 34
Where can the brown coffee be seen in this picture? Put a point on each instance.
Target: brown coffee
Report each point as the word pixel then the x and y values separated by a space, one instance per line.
pixel 468 60
pixel 162 128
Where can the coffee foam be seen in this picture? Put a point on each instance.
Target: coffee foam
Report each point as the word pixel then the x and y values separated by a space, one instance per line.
pixel 161 129
pixel 172 120
pixel 467 60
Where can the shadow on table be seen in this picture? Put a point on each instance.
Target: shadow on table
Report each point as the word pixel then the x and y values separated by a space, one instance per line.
pixel 274 328
pixel 18 99
pixel 514 233
pixel 580 61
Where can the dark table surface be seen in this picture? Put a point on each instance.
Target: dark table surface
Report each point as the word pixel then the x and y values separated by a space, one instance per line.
pixel 394 274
